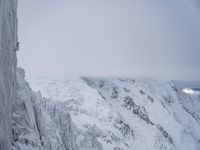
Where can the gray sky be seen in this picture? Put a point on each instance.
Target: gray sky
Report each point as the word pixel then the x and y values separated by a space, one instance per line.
pixel 66 38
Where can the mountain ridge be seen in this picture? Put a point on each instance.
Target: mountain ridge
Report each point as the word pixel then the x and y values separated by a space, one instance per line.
pixel 109 104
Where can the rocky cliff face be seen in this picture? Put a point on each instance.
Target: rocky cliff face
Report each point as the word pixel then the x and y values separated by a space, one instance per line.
pixel 40 124
pixel 26 120
pixel 8 43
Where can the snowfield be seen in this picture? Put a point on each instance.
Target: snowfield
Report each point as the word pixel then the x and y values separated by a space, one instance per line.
pixel 126 114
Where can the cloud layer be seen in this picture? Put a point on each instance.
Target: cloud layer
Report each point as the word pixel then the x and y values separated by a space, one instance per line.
pixel 110 38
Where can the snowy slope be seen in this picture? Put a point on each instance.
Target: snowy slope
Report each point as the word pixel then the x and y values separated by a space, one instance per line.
pixel 127 114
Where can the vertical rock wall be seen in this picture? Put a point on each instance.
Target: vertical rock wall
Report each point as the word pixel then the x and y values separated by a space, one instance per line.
pixel 8 62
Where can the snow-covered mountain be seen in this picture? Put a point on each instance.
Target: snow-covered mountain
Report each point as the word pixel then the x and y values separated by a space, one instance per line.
pixel 127 114
pixel 89 113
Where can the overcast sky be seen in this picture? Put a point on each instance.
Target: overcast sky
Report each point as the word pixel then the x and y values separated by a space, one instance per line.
pixel 66 38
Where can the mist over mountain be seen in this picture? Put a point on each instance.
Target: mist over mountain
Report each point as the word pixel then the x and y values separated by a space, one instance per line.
pixel 153 39
pixel 124 43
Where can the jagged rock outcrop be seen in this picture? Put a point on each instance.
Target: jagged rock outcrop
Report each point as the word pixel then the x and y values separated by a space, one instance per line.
pixel 26 117
pixel 40 124
pixel 8 63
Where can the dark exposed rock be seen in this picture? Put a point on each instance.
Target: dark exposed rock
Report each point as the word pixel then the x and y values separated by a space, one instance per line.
pixel 102 96
pixel 101 83
pixel 142 92
pixel 124 128
pixel 150 98
pixel 129 103
pixel 136 109
pixel 126 90
pixel 168 99
pixel 17 46
pixel 115 92
pixel 164 133
pixel 143 114
pixel 174 88
pixel 117 148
